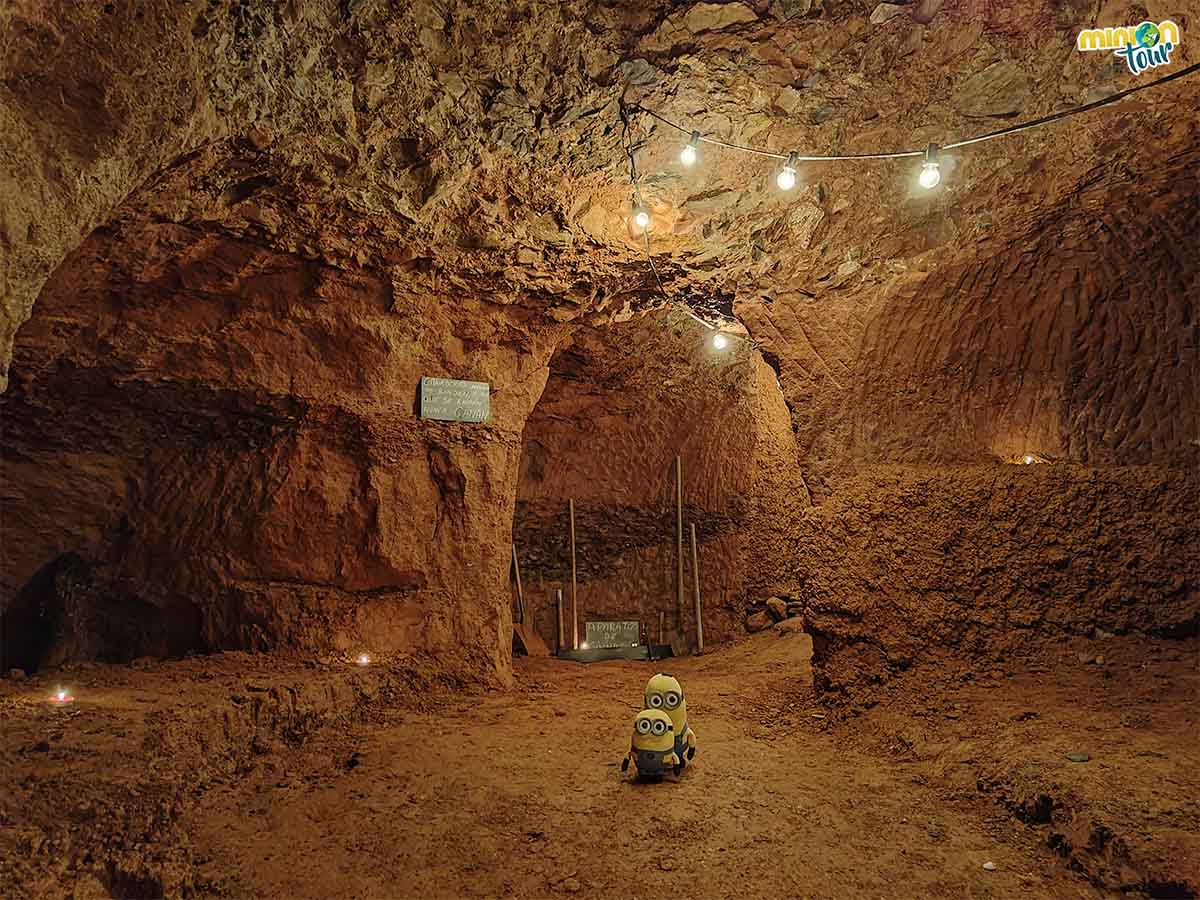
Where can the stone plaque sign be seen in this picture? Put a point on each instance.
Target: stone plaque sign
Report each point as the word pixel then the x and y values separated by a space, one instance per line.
pixel 613 634
pixel 455 401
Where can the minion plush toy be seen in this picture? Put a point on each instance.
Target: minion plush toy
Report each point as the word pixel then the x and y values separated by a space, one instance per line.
pixel 664 693
pixel 653 746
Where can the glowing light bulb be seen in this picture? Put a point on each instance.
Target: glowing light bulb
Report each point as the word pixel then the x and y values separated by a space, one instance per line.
pixel 688 155
pixel 720 342
pixel 1028 460
pixel 583 646
pixel 786 179
pixel 641 217
pixel 364 659
pixel 931 170
pixel 62 695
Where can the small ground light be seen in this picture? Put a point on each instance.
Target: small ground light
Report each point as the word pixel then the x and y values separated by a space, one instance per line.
pixel 1028 460
pixel 364 659
pixel 61 696
pixel 720 342
pixel 583 646
pixel 641 217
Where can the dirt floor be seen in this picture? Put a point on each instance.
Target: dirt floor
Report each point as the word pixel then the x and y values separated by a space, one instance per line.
pixel 250 776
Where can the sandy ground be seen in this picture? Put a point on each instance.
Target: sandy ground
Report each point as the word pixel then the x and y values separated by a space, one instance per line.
pixel 520 794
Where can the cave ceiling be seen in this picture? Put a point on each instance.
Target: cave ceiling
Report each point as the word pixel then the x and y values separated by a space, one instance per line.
pixel 473 148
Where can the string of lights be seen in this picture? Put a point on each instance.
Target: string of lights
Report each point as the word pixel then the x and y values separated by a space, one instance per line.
pixel 690 151
pixel 929 177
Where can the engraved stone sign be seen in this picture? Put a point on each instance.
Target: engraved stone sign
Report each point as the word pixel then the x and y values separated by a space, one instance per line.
pixel 455 401
pixel 613 634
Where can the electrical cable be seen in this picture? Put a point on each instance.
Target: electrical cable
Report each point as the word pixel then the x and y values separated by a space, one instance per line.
pixel 902 154
pixel 631 148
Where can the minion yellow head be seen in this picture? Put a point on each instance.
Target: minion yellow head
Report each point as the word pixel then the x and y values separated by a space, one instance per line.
pixel 652 730
pixel 664 693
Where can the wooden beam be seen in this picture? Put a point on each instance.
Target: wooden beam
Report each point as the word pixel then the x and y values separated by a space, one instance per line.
pixel 696 586
pixel 560 643
pixel 574 583
pixel 679 540
pixel 520 592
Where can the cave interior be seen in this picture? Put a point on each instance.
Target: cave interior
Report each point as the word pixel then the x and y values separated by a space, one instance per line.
pixel 923 461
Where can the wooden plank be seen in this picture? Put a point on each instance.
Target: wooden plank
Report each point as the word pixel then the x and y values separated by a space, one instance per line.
pixel 679 537
pixel 520 593
pixel 696 586
pixel 560 620
pixel 574 583
pixel 524 632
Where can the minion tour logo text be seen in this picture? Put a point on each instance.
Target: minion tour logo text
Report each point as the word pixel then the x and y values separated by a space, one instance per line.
pixel 1141 46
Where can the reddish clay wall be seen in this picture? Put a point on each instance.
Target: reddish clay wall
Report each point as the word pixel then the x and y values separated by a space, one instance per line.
pixel 229 437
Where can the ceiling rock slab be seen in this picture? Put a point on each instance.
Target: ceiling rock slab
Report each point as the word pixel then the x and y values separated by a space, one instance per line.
pixel 483 144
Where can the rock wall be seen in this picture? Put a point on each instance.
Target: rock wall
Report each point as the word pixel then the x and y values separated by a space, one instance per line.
pixel 619 405
pixel 229 436
pixel 905 563
pixel 1074 348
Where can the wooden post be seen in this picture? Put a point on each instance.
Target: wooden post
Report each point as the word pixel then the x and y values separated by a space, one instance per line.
pixel 696 586
pixel 662 627
pixel 574 583
pixel 679 539
pixel 558 647
pixel 520 593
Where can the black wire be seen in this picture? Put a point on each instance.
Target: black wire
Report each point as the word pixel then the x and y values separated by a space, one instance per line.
pixel 653 267
pixel 1012 129
pixel 628 145
pixel 1076 110
pixel 631 148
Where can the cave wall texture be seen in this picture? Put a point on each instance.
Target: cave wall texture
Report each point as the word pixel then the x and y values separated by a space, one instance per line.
pixel 228 436
pixel 234 234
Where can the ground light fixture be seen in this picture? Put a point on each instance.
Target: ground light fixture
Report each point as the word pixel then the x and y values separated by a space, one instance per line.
pixel 363 659
pixel 719 341
pixel 641 216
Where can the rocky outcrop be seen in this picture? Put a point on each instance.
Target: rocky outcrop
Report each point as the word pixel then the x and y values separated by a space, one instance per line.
pixel 904 564
pixel 230 436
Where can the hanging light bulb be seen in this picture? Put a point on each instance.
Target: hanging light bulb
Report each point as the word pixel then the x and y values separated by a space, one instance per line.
pixel 641 216
pixel 786 179
pixel 931 172
pixel 720 342
pixel 688 155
